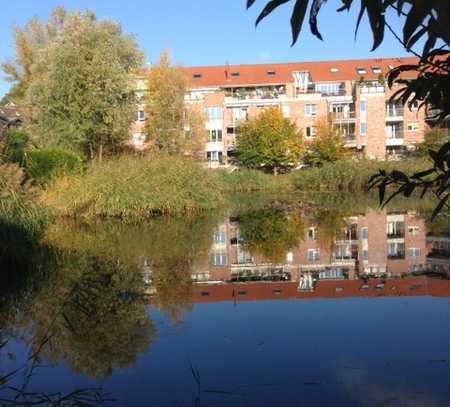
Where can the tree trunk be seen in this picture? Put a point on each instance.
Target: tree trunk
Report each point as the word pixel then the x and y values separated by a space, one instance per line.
pixel 275 171
pixel 100 153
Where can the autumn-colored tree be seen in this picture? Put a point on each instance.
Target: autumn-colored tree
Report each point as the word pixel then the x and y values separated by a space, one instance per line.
pixel 269 141
pixel 433 140
pixel 327 145
pixel 74 84
pixel 165 106
pixel 195 133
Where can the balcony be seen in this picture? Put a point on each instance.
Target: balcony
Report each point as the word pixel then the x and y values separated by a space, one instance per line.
pixel 255 93
pixel 371 88
pixel 324 89
pixel 394 112
pixel 343 116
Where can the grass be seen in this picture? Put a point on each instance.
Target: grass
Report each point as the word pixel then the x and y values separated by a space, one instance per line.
pixel 348 176
pixel 135 188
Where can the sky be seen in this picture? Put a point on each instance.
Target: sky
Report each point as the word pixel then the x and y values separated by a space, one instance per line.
pixel 212 32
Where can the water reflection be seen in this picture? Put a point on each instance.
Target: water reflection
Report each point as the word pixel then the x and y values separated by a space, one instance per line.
pixel 96 287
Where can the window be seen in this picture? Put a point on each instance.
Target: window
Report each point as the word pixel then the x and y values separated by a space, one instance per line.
pixel 140 115
pixel 334 70
pixel 213 113
pixel 394 131
pixel 214 155
pixel 235 74
pixel 413 126
pixel 376 70
pixel 310 131
pixel 362 129
pixel 312 233
pixel 242 292
pixel 361 71
pixel 197 75
pixel 395 229
pixel 240 113
pixel 271 73
pixel 215 136
pixel 413 230
pixel 362 106
pixel 364 233
pixel 219 259
pixel 219 237
pixel 413 252
pixel 329 88
pixel 313 255
pixel 396 250
pixel 276 291
pixel 365 254
pixel 310 110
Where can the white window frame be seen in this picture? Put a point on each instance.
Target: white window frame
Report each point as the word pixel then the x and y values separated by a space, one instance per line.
pixel 310 110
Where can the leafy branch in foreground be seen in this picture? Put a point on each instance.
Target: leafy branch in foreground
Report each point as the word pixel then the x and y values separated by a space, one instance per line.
pixel 434 179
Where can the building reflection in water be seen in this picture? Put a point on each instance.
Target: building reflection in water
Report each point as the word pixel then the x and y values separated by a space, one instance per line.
pixel 369 255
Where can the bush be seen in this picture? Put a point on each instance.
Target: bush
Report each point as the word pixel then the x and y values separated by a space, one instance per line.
pixel 135 188
pixel 44 164
pixel 15 143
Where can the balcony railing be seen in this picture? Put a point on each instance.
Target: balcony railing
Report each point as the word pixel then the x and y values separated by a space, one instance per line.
pixel 343 115
pixel 394 111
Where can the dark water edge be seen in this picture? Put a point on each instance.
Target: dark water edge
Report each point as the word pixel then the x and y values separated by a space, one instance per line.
pixel 276 300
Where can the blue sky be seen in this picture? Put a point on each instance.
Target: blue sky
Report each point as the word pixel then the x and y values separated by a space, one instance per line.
pixel 210 32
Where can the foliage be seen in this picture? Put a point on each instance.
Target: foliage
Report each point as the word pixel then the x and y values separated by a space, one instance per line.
pixel 165 106
pixel 269 141
pixel 15 143
pixel 28 42
pixel 433 140
pixel 44 164
pixel 270 233
pixel 327 146
pixel 195 134
pixel 135 188
pixel 246 180
pixel 78 92
pixel 434 179
pixel 347 175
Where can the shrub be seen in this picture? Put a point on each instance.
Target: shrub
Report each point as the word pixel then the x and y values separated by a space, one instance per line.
pixel 15 143
pixel 42 165
pixel 135 188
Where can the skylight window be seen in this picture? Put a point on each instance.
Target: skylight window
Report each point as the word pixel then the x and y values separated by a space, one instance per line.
pixel 271 73
pixel 197 75
pixel 376 70
pixel 235 74
pixel 334 70
pixel 361 71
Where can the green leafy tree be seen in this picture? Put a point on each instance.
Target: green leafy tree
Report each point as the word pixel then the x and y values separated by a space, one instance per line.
pixel 269 141
pixel 327 146
pixel 79 93
pixel 29 41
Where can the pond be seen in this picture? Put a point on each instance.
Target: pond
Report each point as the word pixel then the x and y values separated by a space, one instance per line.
pixel 274 301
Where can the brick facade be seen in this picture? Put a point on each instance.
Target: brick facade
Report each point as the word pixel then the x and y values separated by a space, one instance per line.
pixel 353 93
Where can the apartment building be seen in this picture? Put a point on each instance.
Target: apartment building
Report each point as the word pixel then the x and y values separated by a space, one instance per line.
pixel 352 93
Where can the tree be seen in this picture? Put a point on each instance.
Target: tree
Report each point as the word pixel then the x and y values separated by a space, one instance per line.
pixel 29 41
pixel 271 232
pixel 78 91
pixel 428 21
pixel 165 106
pixel 327 146
pixel 269 141
pixel 195 133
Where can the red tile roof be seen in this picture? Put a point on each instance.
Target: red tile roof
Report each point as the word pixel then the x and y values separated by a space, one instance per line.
pixel 222 76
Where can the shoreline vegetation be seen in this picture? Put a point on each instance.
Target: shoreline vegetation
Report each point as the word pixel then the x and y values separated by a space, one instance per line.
pixel 134 188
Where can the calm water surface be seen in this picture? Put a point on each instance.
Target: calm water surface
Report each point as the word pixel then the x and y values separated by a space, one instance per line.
pixel 257 306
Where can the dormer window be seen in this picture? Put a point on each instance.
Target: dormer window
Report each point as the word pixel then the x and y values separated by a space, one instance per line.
pixel 234 74
pixel 197 75
pixel 391 67
pixel 334 70
pixel 361 71
pixel 271 73
pixel 376 70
